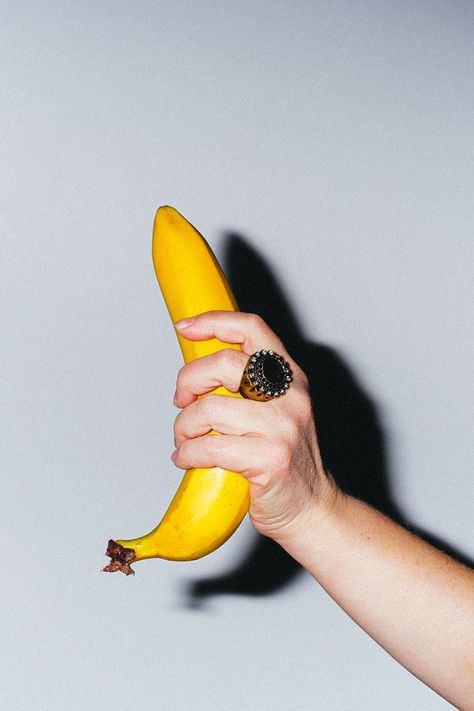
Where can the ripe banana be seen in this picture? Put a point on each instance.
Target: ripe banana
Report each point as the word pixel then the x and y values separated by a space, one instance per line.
pixel 209 503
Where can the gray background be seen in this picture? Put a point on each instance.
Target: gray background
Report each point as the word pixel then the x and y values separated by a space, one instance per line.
pixel 332 144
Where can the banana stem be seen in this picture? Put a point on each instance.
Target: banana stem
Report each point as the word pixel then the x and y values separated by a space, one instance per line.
pixel 121 558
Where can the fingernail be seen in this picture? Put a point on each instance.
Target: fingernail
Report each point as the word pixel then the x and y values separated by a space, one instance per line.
pixel 183 324
pixel 173 456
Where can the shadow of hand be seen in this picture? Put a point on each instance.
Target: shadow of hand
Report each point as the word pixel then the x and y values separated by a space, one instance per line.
pixel 349 430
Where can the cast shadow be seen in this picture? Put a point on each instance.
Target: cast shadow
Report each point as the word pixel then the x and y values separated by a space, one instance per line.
pixel 349 427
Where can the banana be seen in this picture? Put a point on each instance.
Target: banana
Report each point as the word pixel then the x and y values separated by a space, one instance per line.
pixel 209 503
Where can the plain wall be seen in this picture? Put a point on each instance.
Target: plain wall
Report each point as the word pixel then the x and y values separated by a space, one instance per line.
pixel 325 149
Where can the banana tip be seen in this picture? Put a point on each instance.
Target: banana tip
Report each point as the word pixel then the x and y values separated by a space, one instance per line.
pixel 121 558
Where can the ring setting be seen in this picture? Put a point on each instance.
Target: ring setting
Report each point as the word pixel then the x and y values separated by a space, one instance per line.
pixel 266 375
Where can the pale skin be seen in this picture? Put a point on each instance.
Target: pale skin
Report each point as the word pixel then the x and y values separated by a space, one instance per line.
pixel 414 600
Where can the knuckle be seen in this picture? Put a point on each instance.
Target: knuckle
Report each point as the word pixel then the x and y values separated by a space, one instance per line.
pixel 210 445
pixel 207 405
pixel 201 451
pixel 184 447
pixel 291 433
pixel 305 411
pixel 188 451
pixel 228 358
pixel 255 321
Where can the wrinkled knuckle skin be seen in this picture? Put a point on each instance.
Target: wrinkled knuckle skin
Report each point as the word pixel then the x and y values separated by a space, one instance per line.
pixel 188 448
pixel 207 405
pixel 234 358
pixel 211 447
pixel 203 407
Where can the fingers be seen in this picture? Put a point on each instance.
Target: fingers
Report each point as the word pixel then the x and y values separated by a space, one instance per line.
pixel 207 373
pixel 207 451
pixel 249 330
pixel 226 415
pixel 251 456
pixel 251 436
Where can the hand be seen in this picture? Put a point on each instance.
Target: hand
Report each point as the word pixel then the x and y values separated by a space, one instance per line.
pixel 273 444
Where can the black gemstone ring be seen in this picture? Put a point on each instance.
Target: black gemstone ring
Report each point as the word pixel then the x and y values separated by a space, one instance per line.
pixel 266 375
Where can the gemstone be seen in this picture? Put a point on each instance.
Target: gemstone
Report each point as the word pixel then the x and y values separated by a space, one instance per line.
pixel 272 370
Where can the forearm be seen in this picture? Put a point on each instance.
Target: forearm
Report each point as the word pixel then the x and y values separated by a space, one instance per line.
pixel 412 599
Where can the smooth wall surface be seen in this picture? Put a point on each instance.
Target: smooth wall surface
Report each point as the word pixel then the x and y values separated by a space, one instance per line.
pixel 325 149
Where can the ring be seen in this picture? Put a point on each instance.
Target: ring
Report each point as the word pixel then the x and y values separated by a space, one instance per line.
pixel 266 375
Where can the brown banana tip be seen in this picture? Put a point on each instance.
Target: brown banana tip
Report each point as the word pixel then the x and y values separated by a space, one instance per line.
pixel 121 558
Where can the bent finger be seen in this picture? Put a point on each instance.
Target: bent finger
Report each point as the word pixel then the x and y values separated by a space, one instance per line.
pixel 204 374
pixel 248 330
pixel 245 455
pixel 226 415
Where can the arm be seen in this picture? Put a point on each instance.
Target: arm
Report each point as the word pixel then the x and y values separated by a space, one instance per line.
pixel 412 599
pixel 415 601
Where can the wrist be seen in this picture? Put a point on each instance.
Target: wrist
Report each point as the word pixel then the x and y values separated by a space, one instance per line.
pixel 308 527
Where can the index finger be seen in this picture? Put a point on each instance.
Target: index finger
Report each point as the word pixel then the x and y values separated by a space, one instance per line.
pixel 248 330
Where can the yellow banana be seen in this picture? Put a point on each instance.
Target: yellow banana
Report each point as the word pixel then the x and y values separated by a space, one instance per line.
pixel 209 503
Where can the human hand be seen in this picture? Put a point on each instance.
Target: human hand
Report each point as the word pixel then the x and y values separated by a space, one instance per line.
pixel 273 444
